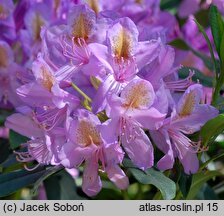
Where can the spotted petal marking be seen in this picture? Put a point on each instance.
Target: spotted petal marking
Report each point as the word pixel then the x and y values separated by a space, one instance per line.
pixel 47 79
pixel 87 134
pixel 37 24
pixel 82 27
pixel 122 44
pixel 138 95
pixel 94 5
pixel 188 105
pixel 3 57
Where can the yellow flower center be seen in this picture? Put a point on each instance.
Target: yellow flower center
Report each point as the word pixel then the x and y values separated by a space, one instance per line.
pixel 93 4
pixel 81 28
pixel 188 105
pixel 138 1
pixel 37 24
pixel 122 44
pixel 138 96
pixel 47 79
pixel 3 57
pixel 87 134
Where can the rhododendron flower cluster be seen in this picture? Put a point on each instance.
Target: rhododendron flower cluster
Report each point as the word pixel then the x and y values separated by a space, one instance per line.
pixel 93 82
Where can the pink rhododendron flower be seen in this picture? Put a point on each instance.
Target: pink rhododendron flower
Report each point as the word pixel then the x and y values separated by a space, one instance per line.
pixel 89 83
pixel 185 119
pixel 89 142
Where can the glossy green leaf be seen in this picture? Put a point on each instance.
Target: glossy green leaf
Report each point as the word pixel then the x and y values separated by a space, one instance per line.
pixel 222 50
pixel 202 16
pixel 61 186
pixel 201 29
pixel 50 171
pixel 212 129
pixel 109 194
pixel 11 160
pixel 151 176
pixel 180 44
pixel 168 4
pixel 4 150
pixel 217 26
pixel 3 115
pixel 16 139
pixel 13 181
pixel 185 183
pixel 206 193
pixel 199 179
pixel 216 157
pixel 10 164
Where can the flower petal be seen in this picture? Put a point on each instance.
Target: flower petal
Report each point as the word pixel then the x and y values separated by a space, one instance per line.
pixel 138 148
pixel 91 184
pixel 188 158
pixel 162 141
pixel 122 39
pixel 146 52
pixel 106 88
pixel 138 94
pixel 189 100
pixel 81 21
pixel 28 127
pixel 151 118
pixel 192 123
pixel 71 155
pixel 117 176
pixel 34 94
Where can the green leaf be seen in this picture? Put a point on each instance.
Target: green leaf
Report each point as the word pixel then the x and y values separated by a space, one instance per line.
pixel 198 76
pixel 166 186
pixel 16 139
pixel 180 44
pixel 217 27
pixel 201 29
pixel 11 160
pixel 212 129
pixel 50 171
pixel 206 193
pixel 169 4
pixel 10 164
pixel 222 50
pixel 211 160
pixel 61 186
pixel 185 183
pixel 109 192
pixel 202 16
pixel 3 115
pixel 4 150
pixel 11 182
pixel 199 180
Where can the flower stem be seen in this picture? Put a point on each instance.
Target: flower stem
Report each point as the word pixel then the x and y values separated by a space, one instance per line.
pixel 81 92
